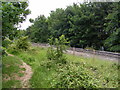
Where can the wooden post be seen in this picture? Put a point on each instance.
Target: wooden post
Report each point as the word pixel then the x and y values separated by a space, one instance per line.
pixel 73 50
pixel 93 54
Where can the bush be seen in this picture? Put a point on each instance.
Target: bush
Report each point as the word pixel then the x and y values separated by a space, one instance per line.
pixel 23 43
pixel 58 52
pixel 6 42
pixel 19 44
pixel 73 76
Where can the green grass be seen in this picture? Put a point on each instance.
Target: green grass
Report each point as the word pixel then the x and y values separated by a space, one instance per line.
pixel 104 73
pixel 20 74
pixel 10 68
pixel 41 75
pixel 11 84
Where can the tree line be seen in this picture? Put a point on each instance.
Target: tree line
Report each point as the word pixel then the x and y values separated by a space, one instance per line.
pixel 95 25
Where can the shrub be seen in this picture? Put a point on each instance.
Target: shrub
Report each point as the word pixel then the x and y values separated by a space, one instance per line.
pixel 73 76
pixel 58 52
pixel 23 43
pixel 6 42
pixel 19 44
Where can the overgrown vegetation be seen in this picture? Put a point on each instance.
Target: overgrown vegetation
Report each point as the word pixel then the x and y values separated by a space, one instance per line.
pixel 73 75
pixel 88 25
pixel 17 45
pixel 78 72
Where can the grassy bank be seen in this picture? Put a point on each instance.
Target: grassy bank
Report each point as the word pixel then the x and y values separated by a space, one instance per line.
pixel 87 72
pixel 10 70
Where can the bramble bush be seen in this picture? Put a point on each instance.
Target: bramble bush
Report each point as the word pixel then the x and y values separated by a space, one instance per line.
pixel 57 52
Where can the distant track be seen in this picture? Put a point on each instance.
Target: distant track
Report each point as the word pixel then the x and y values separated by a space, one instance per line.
pixel 102 55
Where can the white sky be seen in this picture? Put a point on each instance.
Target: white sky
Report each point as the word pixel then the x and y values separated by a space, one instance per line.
pixel 43 7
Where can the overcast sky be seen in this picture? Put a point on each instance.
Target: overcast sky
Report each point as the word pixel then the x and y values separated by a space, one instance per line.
pixel 43 7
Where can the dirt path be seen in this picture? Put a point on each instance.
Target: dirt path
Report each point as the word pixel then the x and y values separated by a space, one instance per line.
pixel 27 74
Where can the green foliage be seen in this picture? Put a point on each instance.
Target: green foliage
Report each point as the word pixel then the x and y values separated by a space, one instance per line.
pixel 13 13
pixel 31 20
pixel 112 27
pixel 82 72
pixel 6 42
pixel 12 63
pixel 87 24
pixel 57 53
pixel 112 42
pixel 29 59
pixel 22 43
pixel 3 50
pixel 38 32
pixel 19 44
pixel 10 68
pixel 11 84
pixel 73 75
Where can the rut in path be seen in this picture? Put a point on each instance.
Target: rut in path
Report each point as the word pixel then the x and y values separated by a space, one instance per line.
pixel 27 74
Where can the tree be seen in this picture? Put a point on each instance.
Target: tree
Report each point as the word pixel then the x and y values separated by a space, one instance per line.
pixel 13 13
pixel 39 32
pixel 58 53
pixel 113 29
pixel 85 25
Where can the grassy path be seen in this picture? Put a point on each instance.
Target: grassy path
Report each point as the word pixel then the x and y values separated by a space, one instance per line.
pixel 27 75
pixel 22 74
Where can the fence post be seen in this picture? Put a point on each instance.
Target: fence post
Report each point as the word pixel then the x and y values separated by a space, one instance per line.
pixel 94 54
pixel 73 50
